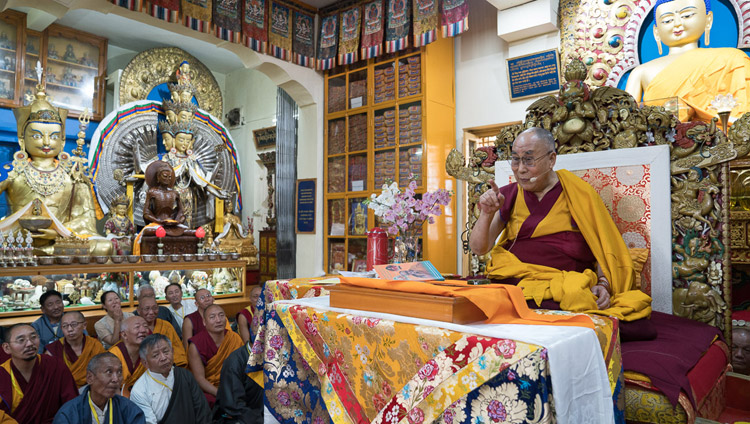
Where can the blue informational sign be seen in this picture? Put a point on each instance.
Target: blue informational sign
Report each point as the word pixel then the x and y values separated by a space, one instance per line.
pixel 305 216
pixel 534 74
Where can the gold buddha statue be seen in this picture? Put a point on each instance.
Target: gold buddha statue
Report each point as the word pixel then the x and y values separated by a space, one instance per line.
pixel 232 238
pixel 41 170
pixel 694 74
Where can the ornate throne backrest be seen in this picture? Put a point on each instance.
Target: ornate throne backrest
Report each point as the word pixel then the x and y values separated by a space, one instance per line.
pixel 634 185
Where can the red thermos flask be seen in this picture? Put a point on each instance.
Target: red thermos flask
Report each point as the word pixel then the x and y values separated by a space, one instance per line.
pixel 377 247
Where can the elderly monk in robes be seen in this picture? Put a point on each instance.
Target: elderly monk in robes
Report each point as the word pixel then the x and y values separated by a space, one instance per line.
pixel 194 323
pixel 76 349
pixel 209 349
pixel 692 73
pixel 133 330
pixel 32 386
pixel 146 290
pixel 148 309
pixel 558 240
pixel 167 394
pixel 99 403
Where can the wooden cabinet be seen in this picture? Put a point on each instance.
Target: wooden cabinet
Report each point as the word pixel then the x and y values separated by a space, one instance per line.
pixel 267 255
pixel 386 119
pixel 74 63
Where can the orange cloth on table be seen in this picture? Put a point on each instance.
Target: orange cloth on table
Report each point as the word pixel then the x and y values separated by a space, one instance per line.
pixel 137 241
pixel 501 303
pixel 131 371
pixel 698 75
pixel 77 367
pixel 165 328
pixel 573 289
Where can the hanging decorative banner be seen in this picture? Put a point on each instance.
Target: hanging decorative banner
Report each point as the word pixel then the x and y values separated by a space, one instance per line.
pixel 425 22
pixel 327 42
pixel 349 36
pixel 166 10
pixel 397 29
pixel 227 20
pixel 454 17
pixel 129 4
pixel 280 34
pixel 372 29
pixel 255 25
pixel 197 14
pixel 302 44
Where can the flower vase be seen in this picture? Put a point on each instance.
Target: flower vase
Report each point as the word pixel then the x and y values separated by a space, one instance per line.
pixel 406 248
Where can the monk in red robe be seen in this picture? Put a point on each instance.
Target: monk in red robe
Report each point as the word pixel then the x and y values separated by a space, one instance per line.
pixel 245 316
pixel 209 349
pixel 75 349
pixel 148 309
pixel 133 330
pixel 194 323
pixel 32 386
pixel 557 239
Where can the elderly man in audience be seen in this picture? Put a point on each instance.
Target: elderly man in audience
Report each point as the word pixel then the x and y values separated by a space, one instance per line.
pixel 209 349
pixel 177 306
pixel 48 325
pixel 133 331
pixel 108 327
pixel 76 349
pixel 194 323
pixel 239 399
pixel 147 309
pixel 99 402
pixel 167 394
pixel 144 291
pixel 32 386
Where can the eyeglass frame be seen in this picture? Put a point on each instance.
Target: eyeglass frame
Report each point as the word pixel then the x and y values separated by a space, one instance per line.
pixel 74 324
pixel 525 160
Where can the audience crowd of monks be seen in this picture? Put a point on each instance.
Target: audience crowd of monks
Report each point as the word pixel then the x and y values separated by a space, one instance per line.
pixel 176 364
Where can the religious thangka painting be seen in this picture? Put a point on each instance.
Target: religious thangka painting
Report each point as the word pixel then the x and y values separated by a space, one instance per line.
pixel 197 14
pixel 349 36
pixel 425 22
pixel 302 45
pixel 228 20
pixel 372 29
pixel 280 34
pixel 166 10
pixel 454 17
pixel 327 43
pixel 398 26
pixel 255 25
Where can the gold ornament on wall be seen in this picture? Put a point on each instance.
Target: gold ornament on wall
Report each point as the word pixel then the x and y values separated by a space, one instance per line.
pixel 153 67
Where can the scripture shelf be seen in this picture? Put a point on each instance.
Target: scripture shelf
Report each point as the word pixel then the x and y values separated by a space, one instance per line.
pixel 388 119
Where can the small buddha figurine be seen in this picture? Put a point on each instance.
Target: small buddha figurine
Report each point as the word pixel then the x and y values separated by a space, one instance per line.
pixel 692 73
pixel 119 229
pixel 70 55
pixel 359 220
pixel 41 170
pixel 232 238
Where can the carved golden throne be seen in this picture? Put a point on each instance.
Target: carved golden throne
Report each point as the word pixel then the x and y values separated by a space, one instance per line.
pixel 666 184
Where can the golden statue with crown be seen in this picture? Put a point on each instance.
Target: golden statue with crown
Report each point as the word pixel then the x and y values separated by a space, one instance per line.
pixel 42 170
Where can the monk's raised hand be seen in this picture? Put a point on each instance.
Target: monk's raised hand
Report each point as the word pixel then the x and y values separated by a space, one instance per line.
pixel 491 200
pixel 602 296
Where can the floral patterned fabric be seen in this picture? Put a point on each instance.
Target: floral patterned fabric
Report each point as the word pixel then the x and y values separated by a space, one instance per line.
pixel 322 366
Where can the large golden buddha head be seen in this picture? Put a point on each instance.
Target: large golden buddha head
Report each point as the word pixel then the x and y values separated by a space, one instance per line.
pixel 681 22
pixel 41 126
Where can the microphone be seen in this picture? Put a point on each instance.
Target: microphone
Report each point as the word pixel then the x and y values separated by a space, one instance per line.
pixel 534 179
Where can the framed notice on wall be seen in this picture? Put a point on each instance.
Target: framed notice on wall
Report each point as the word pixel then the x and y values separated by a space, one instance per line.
pixel 304 222
pixel 265 137
pixel 533 75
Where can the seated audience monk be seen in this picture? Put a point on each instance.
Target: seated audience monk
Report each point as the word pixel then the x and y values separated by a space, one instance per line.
pixel 133 331
pixel 32 386
pixel 99 402
pixel 145 290
pixel 147 308
pixel 165 393
pixel 48 325
pixel 76 349
pixel 209 349
pixel 559 241
pixel 239 399
pixel 108 327
pixel 194 323
pixel 177 306
pixel 245 317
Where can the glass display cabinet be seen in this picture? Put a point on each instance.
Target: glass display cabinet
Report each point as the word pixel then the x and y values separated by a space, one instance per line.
pixel 12 25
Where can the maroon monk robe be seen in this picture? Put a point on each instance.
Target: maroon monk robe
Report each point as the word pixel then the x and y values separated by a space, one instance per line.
pixel 197 321
pixel 50 386
pixel 565 250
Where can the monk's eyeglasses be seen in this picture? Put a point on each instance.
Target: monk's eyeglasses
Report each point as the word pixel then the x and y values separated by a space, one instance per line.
pixel 528 161
pixel 72 325
pixel 23 340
